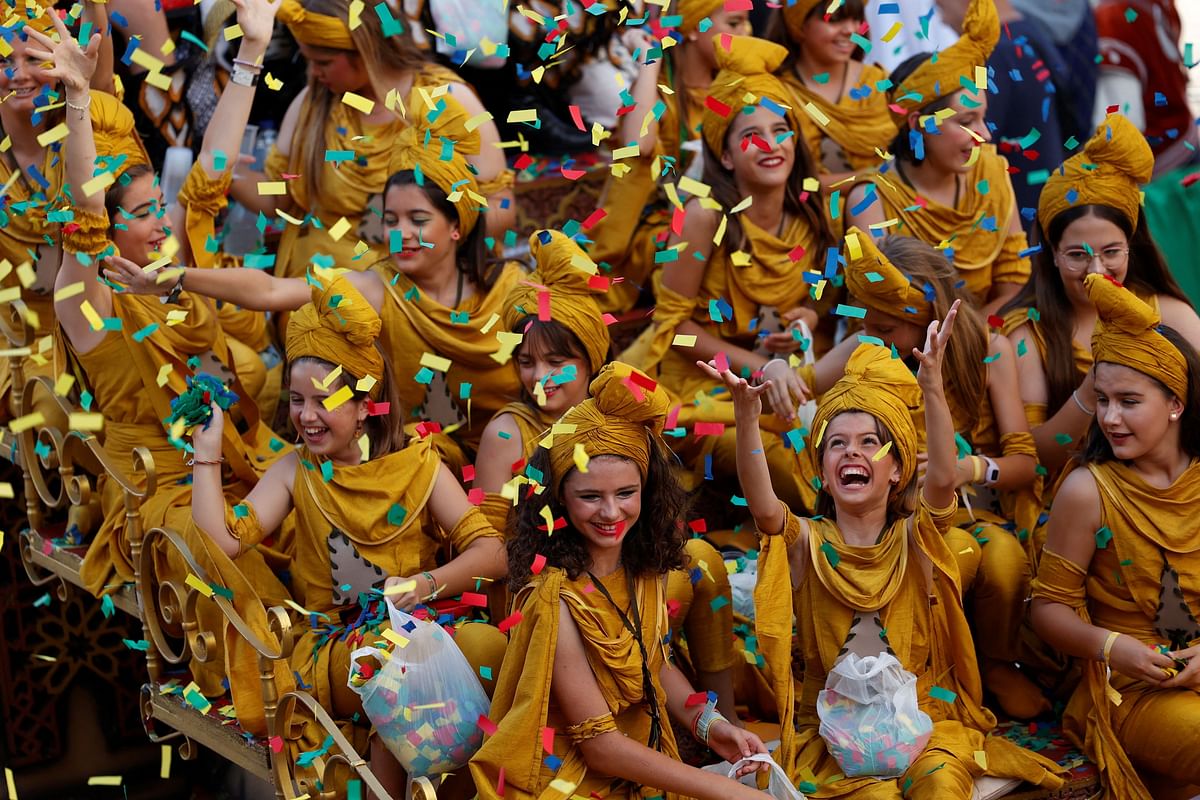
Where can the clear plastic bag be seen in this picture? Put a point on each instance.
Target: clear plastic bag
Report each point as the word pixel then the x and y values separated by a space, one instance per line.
pixel 870 720
pixel 465 24
pixel 425 700
pixel 780 786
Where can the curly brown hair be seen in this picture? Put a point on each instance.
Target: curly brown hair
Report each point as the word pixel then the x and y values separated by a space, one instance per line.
pixel 653 547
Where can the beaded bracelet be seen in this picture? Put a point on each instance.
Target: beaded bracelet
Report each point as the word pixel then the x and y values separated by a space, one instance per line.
pixel 436 590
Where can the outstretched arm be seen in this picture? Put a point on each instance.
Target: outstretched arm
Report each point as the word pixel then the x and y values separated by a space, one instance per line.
pixel 941 480
pixel 752 469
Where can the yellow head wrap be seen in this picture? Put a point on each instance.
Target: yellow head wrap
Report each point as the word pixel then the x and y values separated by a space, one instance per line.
pixel 34 13
pixel 877 284
pixel 315 30
pixel 693 11
pixel 747 67
pixel 1127 334
pixel 1106 172
pixel 941 75
pixel 882 386
pixel 626 410
pixel 567 290
pixel 434 145
pixel 338 326
pixel 795 12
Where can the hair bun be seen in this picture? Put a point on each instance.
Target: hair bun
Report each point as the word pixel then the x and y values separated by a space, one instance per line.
pixel 1118 144
pixel 1119 308
pixel 626 392
pixel 555 257
pixel 747 55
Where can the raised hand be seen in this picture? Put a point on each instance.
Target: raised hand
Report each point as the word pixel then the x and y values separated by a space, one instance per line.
pixel 785 390
pixel 929 373
pixel 747 399
pixel 136 280
pixel 70 63
pixel 257 19
pixel 206 439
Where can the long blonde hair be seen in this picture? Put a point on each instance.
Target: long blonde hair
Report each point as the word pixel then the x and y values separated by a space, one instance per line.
pixel 967 348
pixel 380 54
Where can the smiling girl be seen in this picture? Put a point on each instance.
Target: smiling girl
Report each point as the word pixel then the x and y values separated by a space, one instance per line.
pixel 1090 221
pixel 596 536
pixel 740 297
pixel 824 70
pixel 873 574
pixel 377 61
pixel 436 292
pixel 371 515
pixel 947 185
pixel 1117 584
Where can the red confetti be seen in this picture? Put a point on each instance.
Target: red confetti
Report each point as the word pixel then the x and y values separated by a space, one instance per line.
pixel 673 416
pixel 468 473
pixel 500 783
pixel 697 699
pixel 708 429
pixel 677 217
pixel 277 744
pixel 717 107
pixel 572 174
pixel 378 409
pixel 476 599
pixel 1190 179
pixel 594 217
pixel 539 564
pixel 487 726
pixel 797 253
pixel 722 361
pixel 548 739
pixel 599 282
pixel 644 381
pixel 995 321
pixel 523 161
pixel 609 319
pixel 428 428
pixel 509 621
pixel 698 525
pixel 543 313
pixel 476 497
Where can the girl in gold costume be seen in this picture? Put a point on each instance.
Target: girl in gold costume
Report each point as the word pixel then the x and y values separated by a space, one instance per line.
pixel 1117 584
pixel 371 514
pixel 847 125
pixel 873 574
pixel 134 354
pixel 637 212
pixel 1090 220
pixel 439 298
pixel 359 82
pixel 946 185
pixel 594 542
pixel 739 297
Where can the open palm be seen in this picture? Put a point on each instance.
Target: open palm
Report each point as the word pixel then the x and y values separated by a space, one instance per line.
pixel 69 62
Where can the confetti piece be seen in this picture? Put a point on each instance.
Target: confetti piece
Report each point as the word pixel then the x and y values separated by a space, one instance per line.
pixel 337 398
pixel 105 780
pixel 358 102
pixel 11 783
pixel 945 695
pixel 882 452
pixel 684 340
pixel 581 457
pixel 272 188
pixel 164 770
pixel 394 637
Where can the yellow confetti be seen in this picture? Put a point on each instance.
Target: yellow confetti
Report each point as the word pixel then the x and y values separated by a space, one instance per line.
pixel 892 31
pixel 817 115
pixel 811 185
pixel 199 585
pixel 6 491
pixel 563 786
pixel 158 80
pixel 355 15
pixel 22 424
pixel 394 637
pixel 399 588
pixel 338 229
pixel 981 81
pixel 84 421
pixel 477 120
pixel 164 771
pixel 821 433
pixel 358 102
pixel 853 246
pixel 98 183
pixel 882 452
pixel 51 136
pixel 745 203
pixel 64 384
pixel 526 115
pixel 508 342
pixel 981 760
pixel 365 384
pixel 233 32
pixel 337 398
pixel 329 379
pixel 549 518
pixel 694 187
pixel 435 362
pixel 684 340
pixel 164 374
pixel 146 61
pixel 581 457
pixel 8 773
pixel 272 188
pixel 105 780
pixel 273 83
pixel 632 151
pixel 91 316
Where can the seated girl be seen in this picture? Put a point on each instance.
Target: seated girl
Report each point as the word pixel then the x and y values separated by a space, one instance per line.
pixel 946 185
pixel 372 515
pixel 561 351
pixel 874 574
pixel 1117 584
pixel 600 527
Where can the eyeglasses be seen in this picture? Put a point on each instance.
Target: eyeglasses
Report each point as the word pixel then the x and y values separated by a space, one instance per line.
pixel 1078 260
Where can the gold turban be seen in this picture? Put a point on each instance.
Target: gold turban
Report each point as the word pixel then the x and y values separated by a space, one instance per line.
pixel 877 284
pixel 1106 172
pixel 34 13
pixel 882 386
pixel 795 12
pixel 315 30
pixel 1127 334
pixel 568 292
pixel 435 144
pixel 693 11
pixel 747 67
pixel 941 75
pixel 338 326
pixel 625 412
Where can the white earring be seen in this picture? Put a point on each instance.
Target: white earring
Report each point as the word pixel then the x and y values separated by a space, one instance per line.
pixel 1174 417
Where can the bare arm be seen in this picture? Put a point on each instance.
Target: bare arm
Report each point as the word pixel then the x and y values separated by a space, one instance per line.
pixel 490 161
pixel 484 558
pixel 576 694
pixel 940 478
pixel 645 95
pixel 871 215
pixel 1074 520
pixel 102 78
pixel 999 295
pixel 1182 317
pixel 497 454
pixel 1070 419
pixel 246 180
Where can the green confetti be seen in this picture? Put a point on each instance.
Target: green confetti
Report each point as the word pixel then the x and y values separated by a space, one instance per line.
pixel 831 554
pixel 1103 537
pixel 945 695
pixel 396 515
pixel 1063 438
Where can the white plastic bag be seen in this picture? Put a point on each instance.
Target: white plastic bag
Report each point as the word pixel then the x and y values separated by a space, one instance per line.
pixel 425 701
pixel 465 24
pixel 869 716
pixel 780 787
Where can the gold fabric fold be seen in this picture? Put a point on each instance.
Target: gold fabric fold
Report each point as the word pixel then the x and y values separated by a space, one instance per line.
pixel 859 127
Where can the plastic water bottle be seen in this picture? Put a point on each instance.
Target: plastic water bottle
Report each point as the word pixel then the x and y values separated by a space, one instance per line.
pixel 176 165
pixel 262 147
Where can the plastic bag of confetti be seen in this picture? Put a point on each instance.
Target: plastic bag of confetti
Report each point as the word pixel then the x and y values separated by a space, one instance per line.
pixel 869 716
pixel 422 697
